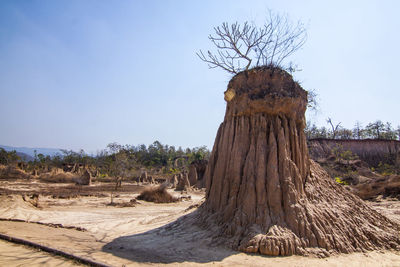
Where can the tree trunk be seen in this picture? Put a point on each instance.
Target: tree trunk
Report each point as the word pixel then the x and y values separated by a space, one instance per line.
pixel 263 192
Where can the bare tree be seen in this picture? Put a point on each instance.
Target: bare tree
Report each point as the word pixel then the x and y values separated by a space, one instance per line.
pixel 240 47
pixel 335 128
pixel 312 102
pixel 398 131
pixel 358 131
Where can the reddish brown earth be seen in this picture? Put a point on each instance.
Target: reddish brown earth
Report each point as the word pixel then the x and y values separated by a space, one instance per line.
pixel 372 151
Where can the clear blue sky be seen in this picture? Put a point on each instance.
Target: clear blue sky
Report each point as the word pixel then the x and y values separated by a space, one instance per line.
pixel 81 74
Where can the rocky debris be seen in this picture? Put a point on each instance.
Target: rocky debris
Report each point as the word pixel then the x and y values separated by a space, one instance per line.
pixel 361 179
pixel 124 204
pixel 385 186
pixel 263 193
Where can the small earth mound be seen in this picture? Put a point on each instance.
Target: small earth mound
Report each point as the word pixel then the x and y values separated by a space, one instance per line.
pixel 157 194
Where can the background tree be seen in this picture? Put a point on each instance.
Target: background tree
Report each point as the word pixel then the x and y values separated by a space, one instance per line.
pixel 334 128
pixel 375 129
pixel 242 46
pixel 389 133
pixel 198 153
pixel 312 102
pixel 358 131
pixel 116 160
pixel 8 157
pixel 312 131
pixel 70 157
pixel 398 132
pixel 343 133
pixel 118 164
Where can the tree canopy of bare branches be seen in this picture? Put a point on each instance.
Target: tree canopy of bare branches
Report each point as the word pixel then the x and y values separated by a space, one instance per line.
pixel 242 46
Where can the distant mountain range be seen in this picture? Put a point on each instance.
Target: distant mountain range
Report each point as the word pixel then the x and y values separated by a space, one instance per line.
pixel 28 153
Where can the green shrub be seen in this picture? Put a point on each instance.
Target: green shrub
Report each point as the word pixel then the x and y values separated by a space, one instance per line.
pixel 386 169
pixel 340 181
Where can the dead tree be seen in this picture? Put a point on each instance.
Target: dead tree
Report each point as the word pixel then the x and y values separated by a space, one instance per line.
pixel 334 128
pixel 240 47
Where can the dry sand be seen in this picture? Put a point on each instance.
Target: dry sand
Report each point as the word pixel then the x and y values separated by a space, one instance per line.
pixel 133 236
pixel 17 255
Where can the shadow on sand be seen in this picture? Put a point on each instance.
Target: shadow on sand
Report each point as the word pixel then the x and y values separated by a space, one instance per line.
pixel 177 242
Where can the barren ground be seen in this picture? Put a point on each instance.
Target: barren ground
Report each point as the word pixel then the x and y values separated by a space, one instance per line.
pixel 80 221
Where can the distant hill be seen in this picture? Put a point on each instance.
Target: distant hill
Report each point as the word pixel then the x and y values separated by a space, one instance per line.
pixel 30 152
pixel 25 157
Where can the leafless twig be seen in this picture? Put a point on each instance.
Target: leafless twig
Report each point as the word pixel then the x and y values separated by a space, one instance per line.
pixel 240 47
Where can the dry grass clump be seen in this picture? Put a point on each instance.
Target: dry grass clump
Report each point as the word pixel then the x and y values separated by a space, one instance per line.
pixel 58 178
pixel 157 194
pixel 132 203
pixel 10 172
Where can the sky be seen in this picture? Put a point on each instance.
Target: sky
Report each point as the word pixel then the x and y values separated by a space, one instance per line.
pixel 79 74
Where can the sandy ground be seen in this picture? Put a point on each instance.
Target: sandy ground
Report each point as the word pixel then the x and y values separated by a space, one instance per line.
pixel 139 235
pixel 17 255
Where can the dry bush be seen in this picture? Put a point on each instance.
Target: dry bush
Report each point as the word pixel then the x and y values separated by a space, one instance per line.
pixel 129 204
pixel 10 172
pixel 58 178
pixel 157 194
